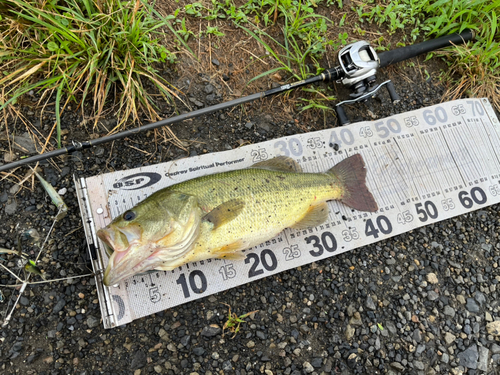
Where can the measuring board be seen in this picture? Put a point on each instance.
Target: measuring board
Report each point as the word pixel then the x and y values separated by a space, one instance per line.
pixel 422 167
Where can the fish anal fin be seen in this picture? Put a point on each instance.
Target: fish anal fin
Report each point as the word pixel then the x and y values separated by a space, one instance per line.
pixel 316 215
pixel 279 164
pixel 352 175
pixel 231 251
pixel 224 212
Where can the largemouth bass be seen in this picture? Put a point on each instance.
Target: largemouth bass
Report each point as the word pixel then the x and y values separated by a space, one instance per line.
pixel 218 215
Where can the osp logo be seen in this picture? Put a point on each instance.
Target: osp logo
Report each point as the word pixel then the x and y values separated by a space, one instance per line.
pixel 137 181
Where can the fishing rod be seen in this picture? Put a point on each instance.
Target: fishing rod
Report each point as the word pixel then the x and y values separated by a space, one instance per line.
pixel 357 70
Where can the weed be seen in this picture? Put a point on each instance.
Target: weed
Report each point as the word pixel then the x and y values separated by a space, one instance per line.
pixel 234 321
pixel 214 30
pixel 81 49
pixel 476 65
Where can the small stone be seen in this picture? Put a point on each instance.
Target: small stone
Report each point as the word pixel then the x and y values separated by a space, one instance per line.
pixel 349 332
pixel 14 189
pixel 432 296
pixel 317 362
pixel 495 349
pixel 11 208
pixel 472 306
pixel 488 317
pixel 461 299
pixel 139 360
pixel 450 311
pixel 445 358
pixel 480 298
pixel 468 358
pixel 250 344
pixel 370 305
pixel 482 363
pixel 391 327
pixel 493 328
pixel 308 368
pixel 59 306
pixel 261 335
pixel 198 351
pixel 356 319
pixel 215 62
pixel 92 322
pixel 417 335
pixel 432 278
pixel 397 366
pixel 449 338
pixel 209 89
pixel 196 102
pixel 419 365
pixel 211 331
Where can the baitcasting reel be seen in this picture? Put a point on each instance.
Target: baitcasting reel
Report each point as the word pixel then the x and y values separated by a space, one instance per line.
pixel 358 64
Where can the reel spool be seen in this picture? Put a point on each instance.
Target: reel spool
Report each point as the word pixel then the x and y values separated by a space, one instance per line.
pixel 359 63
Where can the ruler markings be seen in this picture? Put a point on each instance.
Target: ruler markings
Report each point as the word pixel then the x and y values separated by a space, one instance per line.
pixel 475 144
pixel 421 170
pixel 417 163
pixel 492 135
pixel 408 174
pixel 474 172
pixel 454 172
pixel 397 180
pixel 455 154
pixel 430 165
pixel 441 167
pixel 380 181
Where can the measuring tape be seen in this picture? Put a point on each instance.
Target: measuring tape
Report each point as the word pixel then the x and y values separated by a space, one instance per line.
pixel 422 167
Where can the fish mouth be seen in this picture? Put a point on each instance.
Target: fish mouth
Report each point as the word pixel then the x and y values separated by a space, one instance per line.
pixel 133 255
pixel 123 248
pixel 123 264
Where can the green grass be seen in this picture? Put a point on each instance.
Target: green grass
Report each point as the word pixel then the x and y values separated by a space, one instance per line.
pixel 476 65
pixel 299 49
pixel 102 50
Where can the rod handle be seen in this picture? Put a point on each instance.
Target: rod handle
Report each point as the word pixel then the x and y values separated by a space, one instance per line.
pixel 405 53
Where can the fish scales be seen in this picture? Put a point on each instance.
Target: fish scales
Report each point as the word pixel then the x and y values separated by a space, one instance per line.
pixel 273 201
pixel 218 215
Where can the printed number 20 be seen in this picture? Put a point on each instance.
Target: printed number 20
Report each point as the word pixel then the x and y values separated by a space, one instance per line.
pixel 267 258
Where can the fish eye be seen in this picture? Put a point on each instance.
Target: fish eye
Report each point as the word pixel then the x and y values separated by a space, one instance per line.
pixel 129 215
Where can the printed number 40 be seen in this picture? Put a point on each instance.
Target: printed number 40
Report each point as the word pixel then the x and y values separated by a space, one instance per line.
pixel 382 224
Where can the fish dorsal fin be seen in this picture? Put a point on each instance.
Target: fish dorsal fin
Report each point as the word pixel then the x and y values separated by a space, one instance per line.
pixel 316 215
pixel 279 164
pixel 224 212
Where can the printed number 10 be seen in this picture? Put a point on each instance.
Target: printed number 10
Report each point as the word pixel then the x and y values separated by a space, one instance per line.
pixel 195 278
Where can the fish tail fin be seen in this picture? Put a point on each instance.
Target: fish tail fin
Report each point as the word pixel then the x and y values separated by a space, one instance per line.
pixel 352 174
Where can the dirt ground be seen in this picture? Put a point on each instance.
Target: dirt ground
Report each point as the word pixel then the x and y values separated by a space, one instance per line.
pixel 56 329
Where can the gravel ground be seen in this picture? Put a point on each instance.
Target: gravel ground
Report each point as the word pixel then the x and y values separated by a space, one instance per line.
pixel 425 302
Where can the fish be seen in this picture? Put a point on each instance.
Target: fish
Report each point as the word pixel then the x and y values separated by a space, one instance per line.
pixel 219 215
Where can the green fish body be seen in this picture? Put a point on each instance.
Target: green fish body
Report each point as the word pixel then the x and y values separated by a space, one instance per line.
pixel 217 216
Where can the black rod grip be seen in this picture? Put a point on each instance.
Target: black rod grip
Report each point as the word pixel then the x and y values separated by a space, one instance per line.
pixel 405 53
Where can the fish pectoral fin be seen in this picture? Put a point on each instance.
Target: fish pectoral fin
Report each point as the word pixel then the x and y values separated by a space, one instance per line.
pixel 316 215
pixel 224 212
pixel 279 164
pixel 231 251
